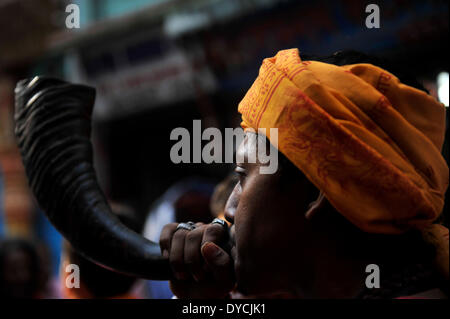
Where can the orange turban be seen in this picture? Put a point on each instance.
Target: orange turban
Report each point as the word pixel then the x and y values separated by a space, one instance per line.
pixel 370 143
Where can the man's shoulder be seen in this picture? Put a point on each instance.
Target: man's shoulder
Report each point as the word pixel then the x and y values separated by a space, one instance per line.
pixel 429 294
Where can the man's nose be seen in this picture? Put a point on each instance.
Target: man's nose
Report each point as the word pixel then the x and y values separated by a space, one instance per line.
pixel 232 203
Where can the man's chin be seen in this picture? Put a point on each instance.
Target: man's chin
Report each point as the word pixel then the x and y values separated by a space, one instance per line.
pixel 243 278
pixel 250 284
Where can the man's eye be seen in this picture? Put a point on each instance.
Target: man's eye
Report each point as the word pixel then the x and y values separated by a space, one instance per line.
pixel 240 175
pixel 240 172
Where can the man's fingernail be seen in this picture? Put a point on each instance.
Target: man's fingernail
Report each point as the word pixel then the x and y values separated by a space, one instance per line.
pixel 165 253
pixel 211 250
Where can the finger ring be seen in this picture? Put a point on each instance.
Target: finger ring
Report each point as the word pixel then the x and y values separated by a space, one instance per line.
pixel 187 226
pixel 220 222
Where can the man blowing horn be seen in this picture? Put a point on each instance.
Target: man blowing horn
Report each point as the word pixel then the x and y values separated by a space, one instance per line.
pixel 360 186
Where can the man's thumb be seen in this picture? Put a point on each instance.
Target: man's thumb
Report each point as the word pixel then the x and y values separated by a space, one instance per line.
pixel 214 255
pixel 220 264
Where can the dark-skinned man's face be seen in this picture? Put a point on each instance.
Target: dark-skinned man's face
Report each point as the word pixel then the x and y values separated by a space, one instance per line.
pixel 269 225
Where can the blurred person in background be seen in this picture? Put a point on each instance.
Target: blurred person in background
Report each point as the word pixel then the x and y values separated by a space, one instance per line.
pixel 21 270
pixel 99 282
pixel 188 199
pixel 360 182
pixel 221 194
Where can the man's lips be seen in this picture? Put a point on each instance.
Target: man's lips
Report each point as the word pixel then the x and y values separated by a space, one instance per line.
pixel 234 253
pixel 233 250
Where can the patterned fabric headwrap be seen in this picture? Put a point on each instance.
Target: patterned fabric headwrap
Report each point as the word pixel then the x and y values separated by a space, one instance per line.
pixel 371 144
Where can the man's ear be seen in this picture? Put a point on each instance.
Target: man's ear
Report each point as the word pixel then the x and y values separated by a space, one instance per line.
pixel 316 206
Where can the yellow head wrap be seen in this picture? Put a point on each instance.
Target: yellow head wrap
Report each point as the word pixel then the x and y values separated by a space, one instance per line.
pixel 370 143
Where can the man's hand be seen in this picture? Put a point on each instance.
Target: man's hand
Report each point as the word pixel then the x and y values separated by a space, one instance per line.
pixel 201 267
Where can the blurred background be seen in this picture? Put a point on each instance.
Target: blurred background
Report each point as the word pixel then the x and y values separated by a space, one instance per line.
pixel 158 65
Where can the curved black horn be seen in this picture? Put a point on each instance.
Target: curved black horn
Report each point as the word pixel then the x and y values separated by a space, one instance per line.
pixel 53 126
